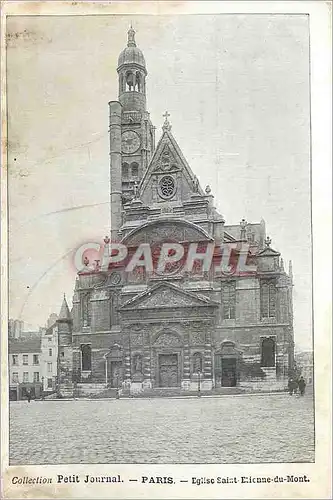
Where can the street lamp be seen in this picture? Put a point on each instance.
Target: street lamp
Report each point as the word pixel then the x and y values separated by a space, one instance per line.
pixel 199 383
pixel 43 388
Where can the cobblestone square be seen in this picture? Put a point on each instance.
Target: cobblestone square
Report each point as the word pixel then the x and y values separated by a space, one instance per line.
pixel 228 429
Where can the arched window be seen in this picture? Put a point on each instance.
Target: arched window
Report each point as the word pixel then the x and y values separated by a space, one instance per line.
pixel 134 169
pixel 125 167
pixel 138 82
pixel 268 352
pixel 86 309
pixel 229 300
pixel 85 357
pixel 268 300
pixel 130 81
pixel 197 362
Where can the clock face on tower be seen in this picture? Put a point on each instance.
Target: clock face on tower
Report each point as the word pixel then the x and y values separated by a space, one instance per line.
pixel 130 141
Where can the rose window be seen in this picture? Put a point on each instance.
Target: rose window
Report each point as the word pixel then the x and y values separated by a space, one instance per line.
pixel 167 186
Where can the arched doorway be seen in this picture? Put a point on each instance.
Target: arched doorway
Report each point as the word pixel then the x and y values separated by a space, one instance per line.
pixel 226 371
pixel 114 373
pixel 168 359
pixel 268 352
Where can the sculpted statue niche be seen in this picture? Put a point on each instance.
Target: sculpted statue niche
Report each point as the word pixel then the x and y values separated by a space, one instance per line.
pixel 137 363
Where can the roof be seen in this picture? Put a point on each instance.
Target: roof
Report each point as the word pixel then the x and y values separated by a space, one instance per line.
pixel 32 345
pixel 49 330
pixel 131 54
pixel 64 311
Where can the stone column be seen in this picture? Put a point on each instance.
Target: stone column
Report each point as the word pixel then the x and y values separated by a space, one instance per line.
pixel 127 369
pixel 207 383
pixel 147 384
pixel 186 364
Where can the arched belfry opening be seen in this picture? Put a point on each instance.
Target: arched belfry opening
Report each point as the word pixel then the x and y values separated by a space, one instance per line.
pixel 132 75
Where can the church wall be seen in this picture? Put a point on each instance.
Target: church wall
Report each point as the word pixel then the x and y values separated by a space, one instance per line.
pixel 100 312
pixel 98 364
pixel 132 101
pixel 283 302
pixel 97 340
pixel 76 316
pixel 247 301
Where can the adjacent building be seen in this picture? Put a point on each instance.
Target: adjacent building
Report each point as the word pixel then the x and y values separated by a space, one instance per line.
pixel 49 358
pixel 142 329
pixel 33 362
pixel 25 368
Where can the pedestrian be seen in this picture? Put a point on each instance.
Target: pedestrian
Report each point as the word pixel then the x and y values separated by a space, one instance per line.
pixel 290 386
pixel 29 396
pixel 301 386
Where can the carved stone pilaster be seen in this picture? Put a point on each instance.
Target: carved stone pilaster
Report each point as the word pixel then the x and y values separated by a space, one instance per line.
pixel 146 363
pixel 208 360
pixel 186 358
pixel 127 363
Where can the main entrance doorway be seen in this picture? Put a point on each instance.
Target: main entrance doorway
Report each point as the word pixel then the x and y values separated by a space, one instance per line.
pixel 168 370
pixel 229 372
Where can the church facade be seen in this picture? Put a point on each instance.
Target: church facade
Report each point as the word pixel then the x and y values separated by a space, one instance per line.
pixel 141 328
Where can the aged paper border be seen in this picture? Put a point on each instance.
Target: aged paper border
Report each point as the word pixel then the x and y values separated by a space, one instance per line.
pixel 318 472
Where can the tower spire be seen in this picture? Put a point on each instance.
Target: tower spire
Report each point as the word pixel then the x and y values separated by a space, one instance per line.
pixel 64 311
pixel 131 37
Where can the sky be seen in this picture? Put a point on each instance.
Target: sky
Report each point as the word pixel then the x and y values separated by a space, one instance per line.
pixel 237 90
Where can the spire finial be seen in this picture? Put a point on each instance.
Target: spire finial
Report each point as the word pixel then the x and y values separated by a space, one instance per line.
pixel 131 37
pixel 243 225
pixel 166 124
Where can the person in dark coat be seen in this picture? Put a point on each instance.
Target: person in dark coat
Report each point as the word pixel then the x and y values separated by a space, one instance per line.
pixel 291 386
pixel 29 396
pixel 301 386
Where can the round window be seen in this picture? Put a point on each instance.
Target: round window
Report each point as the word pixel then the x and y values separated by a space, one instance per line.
pixel 167 186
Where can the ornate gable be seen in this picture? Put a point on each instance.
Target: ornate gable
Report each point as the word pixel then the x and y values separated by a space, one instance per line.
pixel 169 177
pixel 167 162
pixel 167 295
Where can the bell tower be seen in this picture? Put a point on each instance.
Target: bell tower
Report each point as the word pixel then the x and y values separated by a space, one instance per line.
pixel 132 135
pixel 132 76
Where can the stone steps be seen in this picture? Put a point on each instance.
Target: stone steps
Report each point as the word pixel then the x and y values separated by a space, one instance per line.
pixel 106 393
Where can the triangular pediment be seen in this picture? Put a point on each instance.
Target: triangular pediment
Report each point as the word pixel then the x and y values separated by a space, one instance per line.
pixel 168 160
pixel 268 252
pixel 228 238
pixel 167 295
